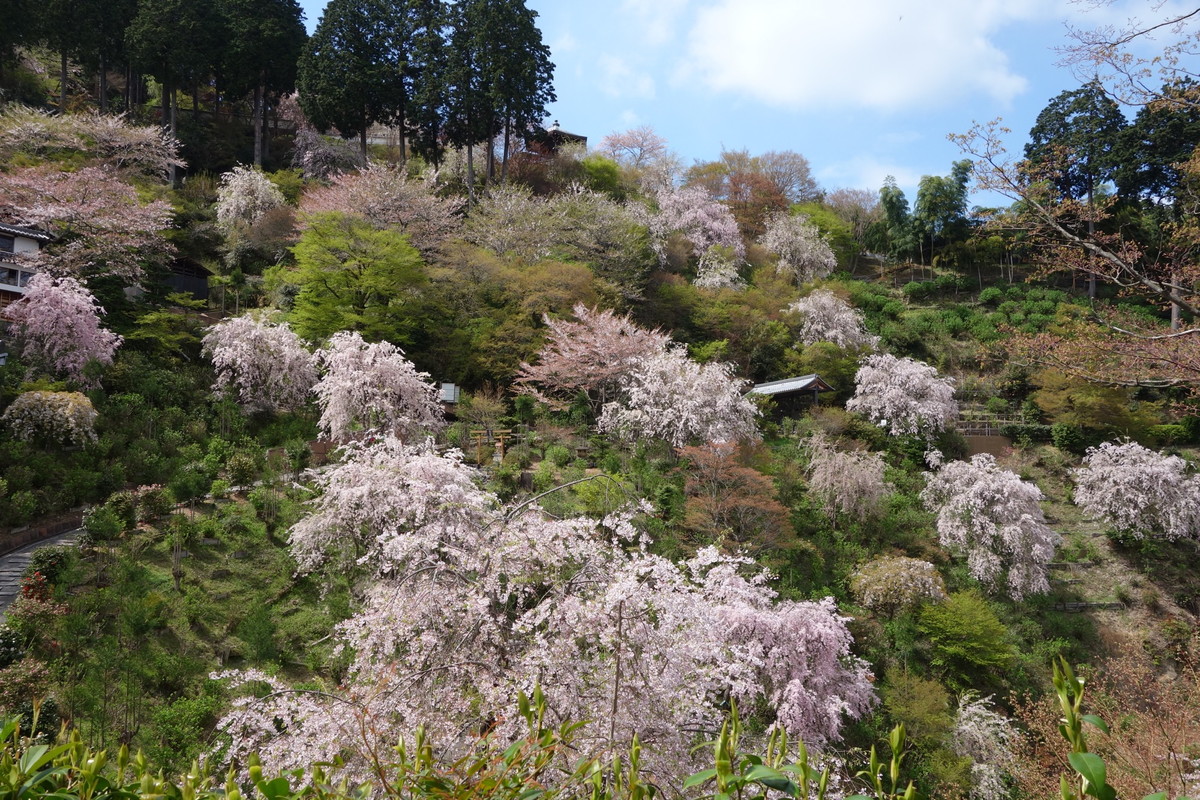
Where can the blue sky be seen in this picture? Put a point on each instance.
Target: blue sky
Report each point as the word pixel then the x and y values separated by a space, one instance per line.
pixel 862 88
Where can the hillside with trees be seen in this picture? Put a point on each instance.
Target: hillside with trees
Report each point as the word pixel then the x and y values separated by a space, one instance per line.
pixel 453 466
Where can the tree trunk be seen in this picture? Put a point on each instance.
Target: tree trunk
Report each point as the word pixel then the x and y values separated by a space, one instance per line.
pixel 259 90
pixel 103 85
pixel 1176 322
pixel 62 83
pixel 1091 236
pixel 504 159
pixel 172 110
pixel 362 142
pixel 470 176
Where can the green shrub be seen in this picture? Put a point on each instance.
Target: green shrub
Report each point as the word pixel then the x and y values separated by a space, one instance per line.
pixel 51 562
pixel 997 405
pixel 103 524
pixel 243 468
pixel 1067 437
pixel 970 644
pixel 990 296
pixel 558 455
pixel 124 506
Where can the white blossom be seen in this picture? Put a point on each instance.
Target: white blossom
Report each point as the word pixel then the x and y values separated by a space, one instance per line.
pixel 373 386
pixel 1139 491
pixel 992 517
pixel 804 255
pixel 828 318
pixel 903 395
pixel 670 397
pixel 265 363
pixel 245 194
pixel 58 416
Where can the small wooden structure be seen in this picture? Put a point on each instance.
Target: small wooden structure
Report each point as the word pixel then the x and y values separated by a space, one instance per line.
pixel 792 394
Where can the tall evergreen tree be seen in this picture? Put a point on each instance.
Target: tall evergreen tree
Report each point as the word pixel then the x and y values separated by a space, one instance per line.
pixel 265 40
pixel 1161 139
pixel 175 42
pixel 1078 135
pixel 348 75
pixel 501 75
pixel 427 68
pixel 1077 138
pixel 940 213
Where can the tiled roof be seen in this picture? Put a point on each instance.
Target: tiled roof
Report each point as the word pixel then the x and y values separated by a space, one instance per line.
pixel 801 384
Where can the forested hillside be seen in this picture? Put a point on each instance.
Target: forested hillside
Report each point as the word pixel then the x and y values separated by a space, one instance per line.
pixel 454 440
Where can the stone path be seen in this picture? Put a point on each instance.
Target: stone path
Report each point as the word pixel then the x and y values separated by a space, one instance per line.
pixel 14 564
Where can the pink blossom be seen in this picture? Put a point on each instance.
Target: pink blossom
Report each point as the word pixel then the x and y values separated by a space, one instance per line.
pixel 57 326
pixel 467 602
pixel 593 355
pixel 373 386
pixel 992 517
pixel 264 363
pixel 703 220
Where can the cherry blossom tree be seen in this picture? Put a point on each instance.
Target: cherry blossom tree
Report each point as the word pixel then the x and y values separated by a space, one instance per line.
pixel 803 252
pixel 891 584
pixel 55 416
pixel 828 318
pixel 1138 491
pixel 57 326
pixel 670 397
pixel 385 196
pixel 904 395
pixel 992 517
pixel 987 737
pixel 575 225
pixel 373 386
pixel 473 602
pixel 848 483
pixel 100 138
pixel 592 355
pixel 244 196
pixel 645 154
pixel 99 223
pixel 696 215
pixel 265 364
pixel 718 269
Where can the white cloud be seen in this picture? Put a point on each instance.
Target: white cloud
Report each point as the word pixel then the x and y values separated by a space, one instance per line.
pixel 879 54
pixel 618 79
pixel 563 43
pixel 657 21
pixel 868 172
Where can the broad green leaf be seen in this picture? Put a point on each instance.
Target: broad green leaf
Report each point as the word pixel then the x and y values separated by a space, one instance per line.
pixel 1090 766
pixel 772 779
pixel 700 777
pixel 1094 720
